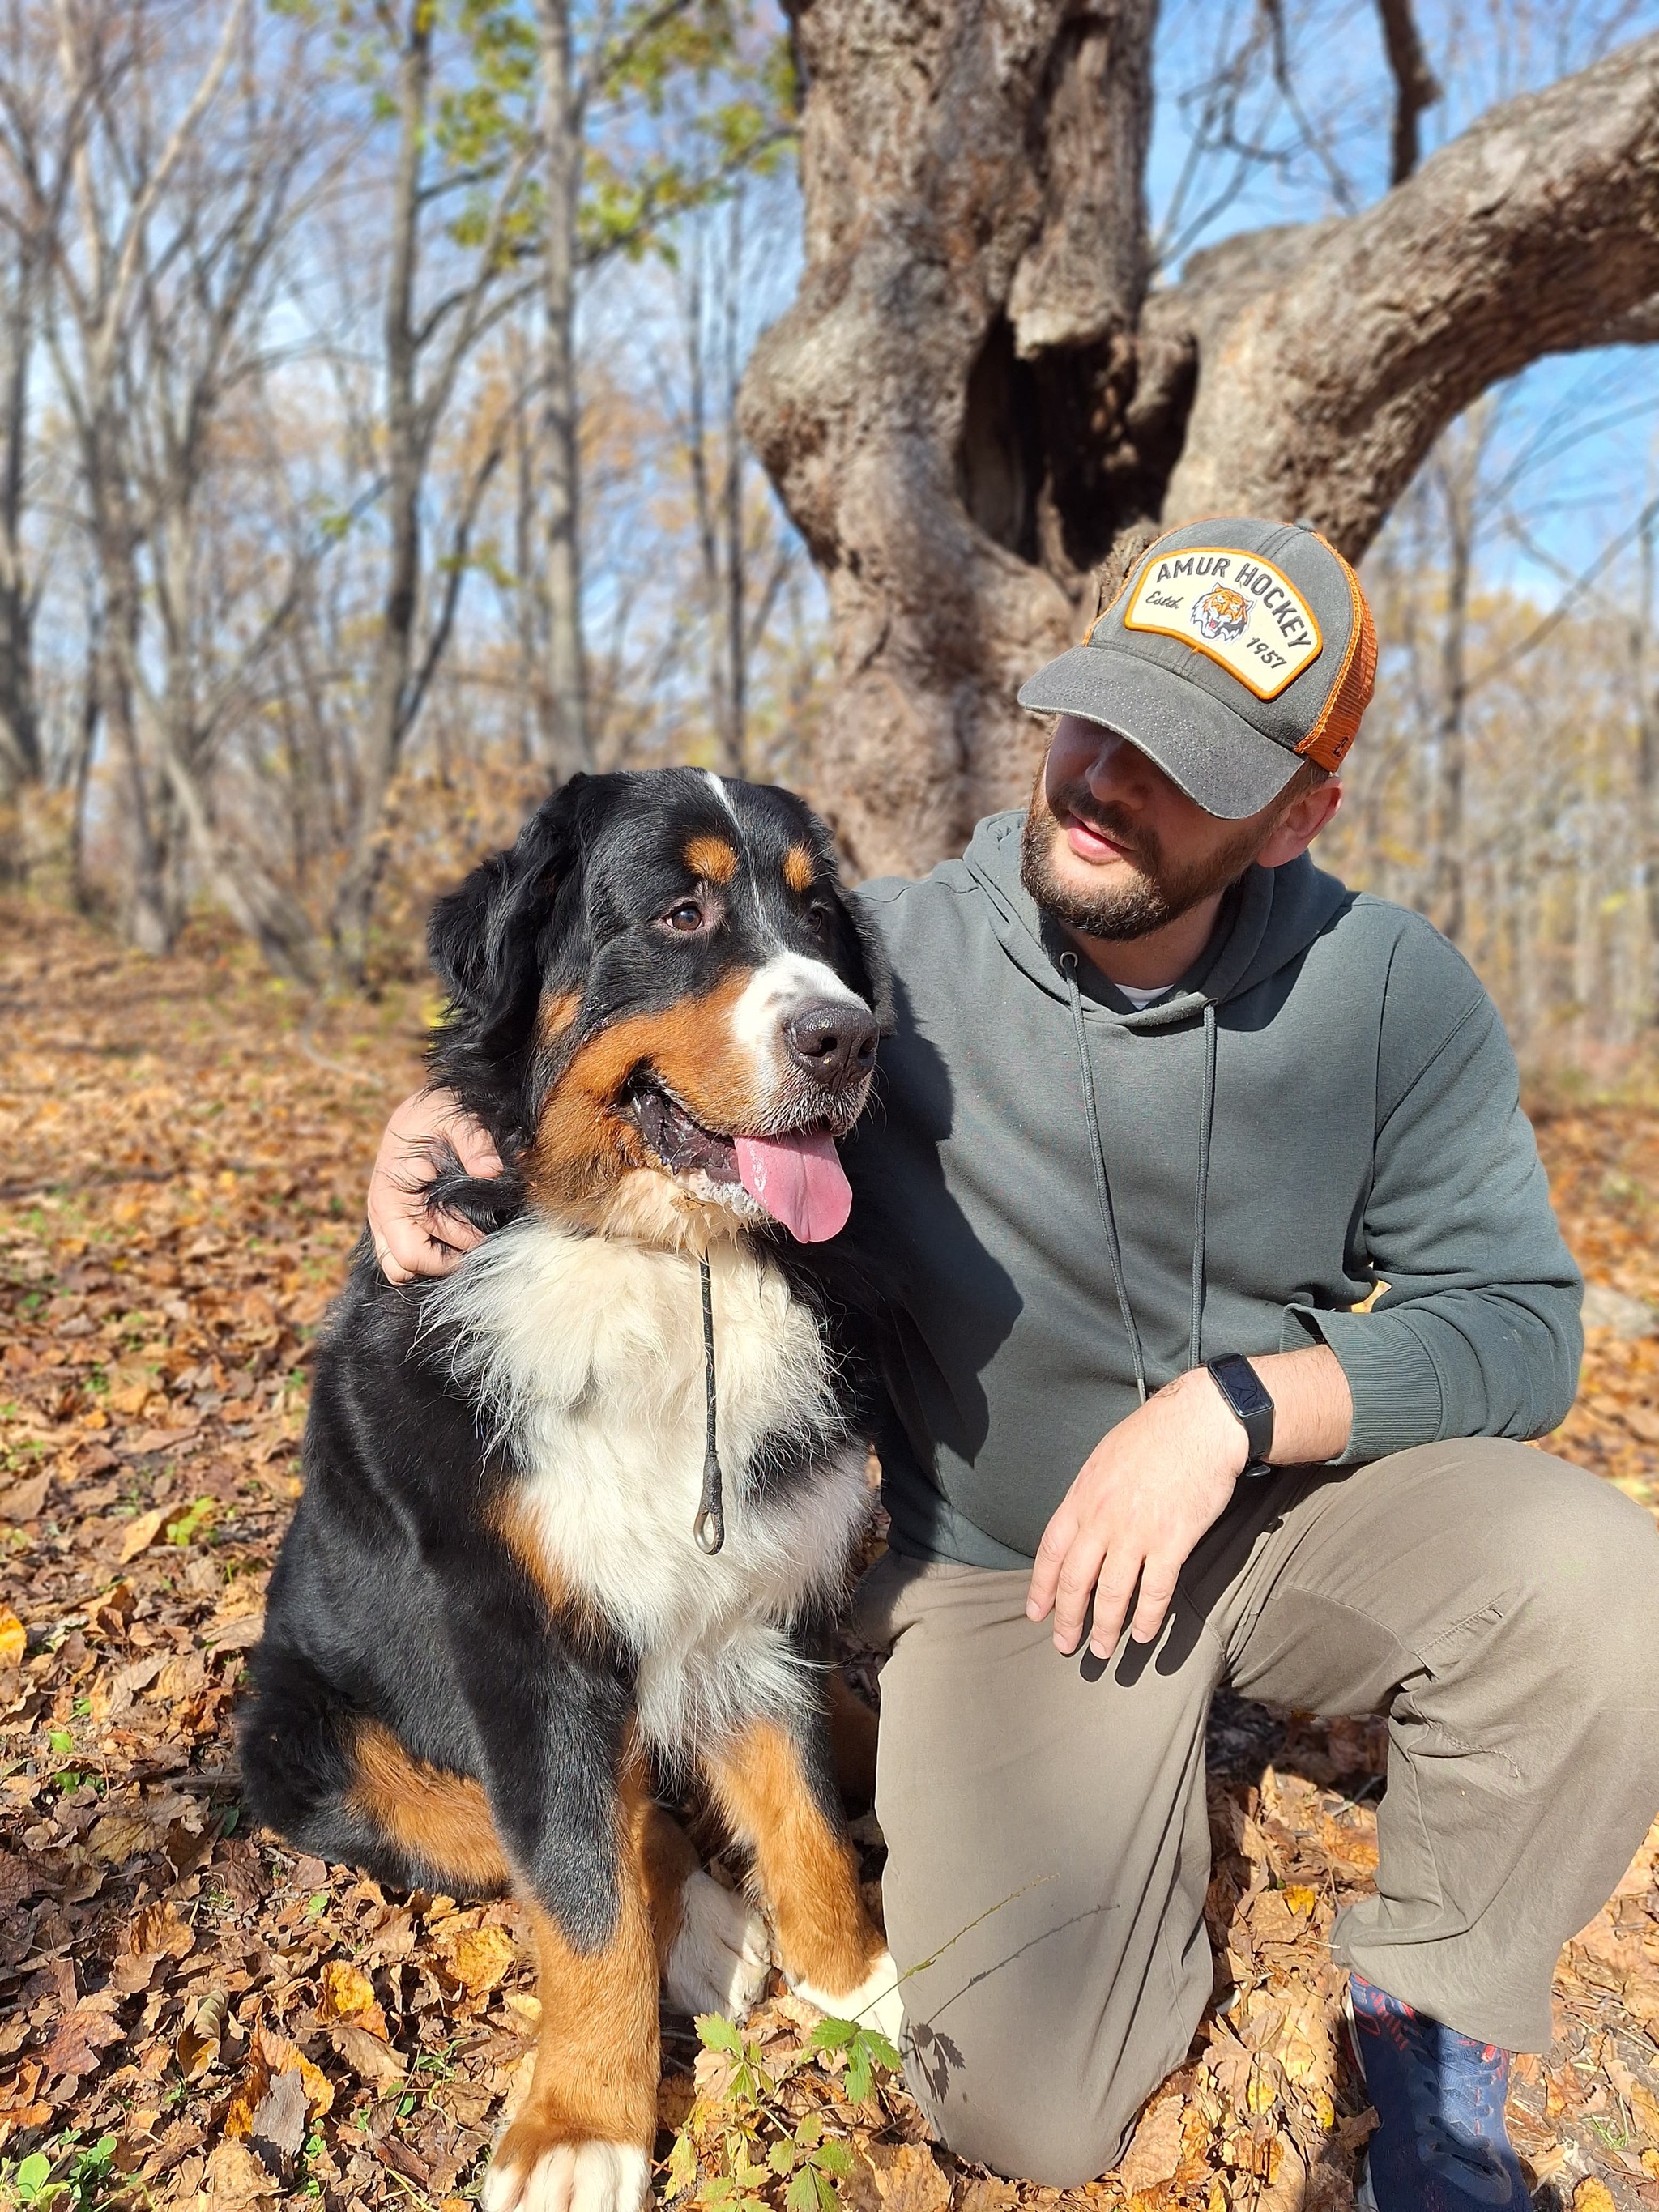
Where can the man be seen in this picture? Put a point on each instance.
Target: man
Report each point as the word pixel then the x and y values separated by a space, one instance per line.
pixel 1225 1286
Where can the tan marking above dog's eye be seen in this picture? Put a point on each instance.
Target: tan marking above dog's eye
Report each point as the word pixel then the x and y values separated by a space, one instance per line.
pixel 712 859
pixel 799 868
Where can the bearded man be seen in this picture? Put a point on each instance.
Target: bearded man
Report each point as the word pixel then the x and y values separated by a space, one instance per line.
pixel 1226 1291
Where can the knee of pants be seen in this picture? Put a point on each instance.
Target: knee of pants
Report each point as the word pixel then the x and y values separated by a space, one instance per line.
pixel 1585 1561
pixel 1040 2141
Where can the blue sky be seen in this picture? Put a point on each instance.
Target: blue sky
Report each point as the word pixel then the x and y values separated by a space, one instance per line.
pixel 1575 435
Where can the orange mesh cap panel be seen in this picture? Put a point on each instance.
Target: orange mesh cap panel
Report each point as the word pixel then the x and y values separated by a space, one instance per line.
pixel 1326 743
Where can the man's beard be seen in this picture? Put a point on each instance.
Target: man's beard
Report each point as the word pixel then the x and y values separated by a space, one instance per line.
pixel 1160 892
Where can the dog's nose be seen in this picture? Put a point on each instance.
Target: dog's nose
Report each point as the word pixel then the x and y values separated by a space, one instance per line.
pixel 835 1045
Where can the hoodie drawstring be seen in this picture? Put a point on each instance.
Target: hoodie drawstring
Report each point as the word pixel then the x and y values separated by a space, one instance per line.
pixel 1103 1190
pixel 1201 1195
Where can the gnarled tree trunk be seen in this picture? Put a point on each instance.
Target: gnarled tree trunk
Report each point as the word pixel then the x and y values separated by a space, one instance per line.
pixel 977 415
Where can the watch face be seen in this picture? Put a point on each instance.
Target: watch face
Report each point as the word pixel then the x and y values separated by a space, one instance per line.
pixel 1242 1387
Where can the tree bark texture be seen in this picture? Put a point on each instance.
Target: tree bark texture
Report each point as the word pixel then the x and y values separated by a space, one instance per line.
pixel 977 415
pixel 566 741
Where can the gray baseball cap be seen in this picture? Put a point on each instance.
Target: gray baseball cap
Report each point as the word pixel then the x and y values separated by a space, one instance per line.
pixel 1234 650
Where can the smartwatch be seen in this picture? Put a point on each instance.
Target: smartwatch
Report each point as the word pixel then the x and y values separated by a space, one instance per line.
pixel 1250 1404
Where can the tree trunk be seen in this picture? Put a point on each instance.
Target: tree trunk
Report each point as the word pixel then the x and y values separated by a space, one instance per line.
pixel 20 733
pixel 569 744
pixel 405 465
pixel 1459 485
pixel 1645 829
pixel 976 417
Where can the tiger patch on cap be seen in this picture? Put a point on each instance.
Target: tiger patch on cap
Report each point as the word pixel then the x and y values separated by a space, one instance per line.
pixel 1221 613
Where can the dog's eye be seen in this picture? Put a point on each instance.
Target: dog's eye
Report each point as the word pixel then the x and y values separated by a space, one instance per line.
pixel 684 918
pixel 821 916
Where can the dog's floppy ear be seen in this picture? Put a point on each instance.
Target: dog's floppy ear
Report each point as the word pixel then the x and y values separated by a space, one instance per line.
pixel 481 937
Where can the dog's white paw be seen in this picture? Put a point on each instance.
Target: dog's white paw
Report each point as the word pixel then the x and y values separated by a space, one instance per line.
pixel 566 2177
pixel 877 2002
pixel 720 1956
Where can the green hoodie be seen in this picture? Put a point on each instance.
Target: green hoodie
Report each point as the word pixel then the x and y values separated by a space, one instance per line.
pixel 1325 1105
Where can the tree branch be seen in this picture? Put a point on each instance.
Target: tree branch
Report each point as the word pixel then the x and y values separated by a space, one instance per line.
pixel 1415 85
pixel 1329 364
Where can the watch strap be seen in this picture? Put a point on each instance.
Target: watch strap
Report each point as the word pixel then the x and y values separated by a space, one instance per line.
pixel 1246 1398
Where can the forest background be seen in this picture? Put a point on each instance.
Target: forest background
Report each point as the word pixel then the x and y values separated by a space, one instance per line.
pixel 348 491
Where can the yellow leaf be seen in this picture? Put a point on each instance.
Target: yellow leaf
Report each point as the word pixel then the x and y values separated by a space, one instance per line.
pixel 349 1996
pixel 142 1533
pixel 1644 2109
pixel 1300 1899
pixel 347 1990
pixel 14 1637
pixel 1592 2196
pixel 480 1957
pixel 1261 2093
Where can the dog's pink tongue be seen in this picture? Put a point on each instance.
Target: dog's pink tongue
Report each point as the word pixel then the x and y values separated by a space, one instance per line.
pixel 799 1180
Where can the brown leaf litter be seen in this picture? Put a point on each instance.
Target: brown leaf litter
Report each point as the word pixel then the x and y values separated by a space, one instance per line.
pixel 183 1161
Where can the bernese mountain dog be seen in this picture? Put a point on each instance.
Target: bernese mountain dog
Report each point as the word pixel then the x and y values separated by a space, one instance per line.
pixel 574 1515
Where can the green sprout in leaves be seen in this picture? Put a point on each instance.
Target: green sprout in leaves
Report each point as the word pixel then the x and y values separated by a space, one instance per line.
pixel 759 2144
pixel 866 2048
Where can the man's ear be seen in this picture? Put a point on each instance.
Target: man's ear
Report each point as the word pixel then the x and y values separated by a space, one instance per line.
pixel 1300 824
pixel 483 938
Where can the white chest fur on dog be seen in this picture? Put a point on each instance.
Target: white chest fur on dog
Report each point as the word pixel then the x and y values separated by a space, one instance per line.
pixel 586 1353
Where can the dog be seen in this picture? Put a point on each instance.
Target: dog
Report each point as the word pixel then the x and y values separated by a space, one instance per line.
pixel 574 1515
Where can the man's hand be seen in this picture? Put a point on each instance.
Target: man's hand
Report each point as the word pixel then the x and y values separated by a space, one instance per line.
pixel 1147 1492
pixel 411 1237
pixel 1156 1482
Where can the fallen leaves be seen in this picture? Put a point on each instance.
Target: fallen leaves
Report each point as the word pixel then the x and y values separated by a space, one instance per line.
pixel 1154 2151
pixel 248 2027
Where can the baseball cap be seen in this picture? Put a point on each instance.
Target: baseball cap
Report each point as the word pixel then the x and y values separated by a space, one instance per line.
pixel 1234 650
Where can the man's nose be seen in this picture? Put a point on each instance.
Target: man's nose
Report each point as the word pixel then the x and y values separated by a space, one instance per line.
pixel 1117 770
pixel 835 1045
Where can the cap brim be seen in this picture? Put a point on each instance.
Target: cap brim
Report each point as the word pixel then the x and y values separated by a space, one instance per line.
pixel 1215 755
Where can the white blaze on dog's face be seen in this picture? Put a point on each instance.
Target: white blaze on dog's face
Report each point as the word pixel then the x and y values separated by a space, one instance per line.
pixel 699 1005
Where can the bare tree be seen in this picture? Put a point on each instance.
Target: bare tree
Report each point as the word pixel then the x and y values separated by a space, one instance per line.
pixel 977 412
pixel 567 744
pixel 427 344
pixel 98 270
pixel 42 118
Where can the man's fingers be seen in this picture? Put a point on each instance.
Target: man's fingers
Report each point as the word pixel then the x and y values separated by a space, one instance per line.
pixel 1076 1588
pixel 474 1145
pixel 1113 1596
pixel 389 1265
pixel 1051 1558
pixel 450 1234
pixel 1158 1587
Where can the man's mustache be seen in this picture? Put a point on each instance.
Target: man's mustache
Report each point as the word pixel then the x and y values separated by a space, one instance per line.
pixel 1108 820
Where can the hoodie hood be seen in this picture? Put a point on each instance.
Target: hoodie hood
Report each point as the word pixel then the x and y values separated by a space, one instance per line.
pixel 1271 918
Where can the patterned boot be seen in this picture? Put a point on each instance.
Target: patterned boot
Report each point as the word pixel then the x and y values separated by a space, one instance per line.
pixel 1443 2146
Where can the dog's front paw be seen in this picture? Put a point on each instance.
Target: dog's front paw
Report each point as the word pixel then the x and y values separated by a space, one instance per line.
pixel 529 2174
pixel 876 2003
pixel 720 1956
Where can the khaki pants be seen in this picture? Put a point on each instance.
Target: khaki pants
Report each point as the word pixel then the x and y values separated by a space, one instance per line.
pixel 1500 1606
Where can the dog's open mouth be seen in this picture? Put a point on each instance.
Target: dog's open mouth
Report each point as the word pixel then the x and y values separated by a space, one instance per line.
pixel 796 1176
